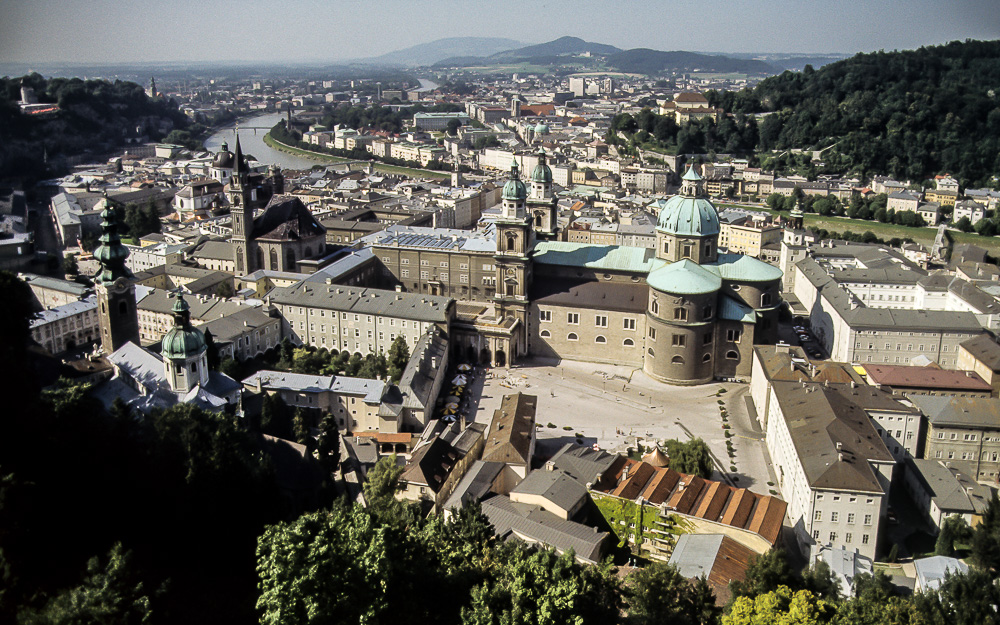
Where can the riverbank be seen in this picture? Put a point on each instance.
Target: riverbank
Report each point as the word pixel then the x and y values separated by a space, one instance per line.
pixel 273 143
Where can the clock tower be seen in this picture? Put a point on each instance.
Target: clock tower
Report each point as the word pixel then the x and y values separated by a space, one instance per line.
pixel 117 315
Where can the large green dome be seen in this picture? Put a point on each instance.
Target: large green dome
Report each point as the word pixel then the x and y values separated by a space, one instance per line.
pixel 688 216
pixel 183 340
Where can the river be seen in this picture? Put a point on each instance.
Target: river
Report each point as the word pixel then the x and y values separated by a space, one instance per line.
pixel 252 138
pixel 252 142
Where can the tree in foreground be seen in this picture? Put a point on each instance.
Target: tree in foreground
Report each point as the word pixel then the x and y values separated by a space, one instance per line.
pixel 111 593
pixel 659 594
pixel 986 539
pixel 780 607
pixel 766 573
pixel 543 588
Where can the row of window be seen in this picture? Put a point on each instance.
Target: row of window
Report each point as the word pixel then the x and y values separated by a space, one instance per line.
pixel 988 456
pixel 835 516
pixel 848 537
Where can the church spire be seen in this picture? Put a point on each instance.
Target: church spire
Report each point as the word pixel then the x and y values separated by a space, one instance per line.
pixel 111 253
pixel 239 166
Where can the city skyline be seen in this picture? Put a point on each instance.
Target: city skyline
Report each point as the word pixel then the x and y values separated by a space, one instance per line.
pixel 307 31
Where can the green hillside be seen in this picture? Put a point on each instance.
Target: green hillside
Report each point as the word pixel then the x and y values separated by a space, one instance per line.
pixel 909 114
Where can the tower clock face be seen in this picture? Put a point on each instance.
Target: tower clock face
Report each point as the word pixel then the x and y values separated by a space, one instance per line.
pixel 510 272
pixel 120 285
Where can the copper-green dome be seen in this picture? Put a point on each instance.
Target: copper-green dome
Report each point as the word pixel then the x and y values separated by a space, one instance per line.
pixel 684 277
pixel 541 129
pixel 542 172
pixel 183 340
pixel 515 189
pixel 688 216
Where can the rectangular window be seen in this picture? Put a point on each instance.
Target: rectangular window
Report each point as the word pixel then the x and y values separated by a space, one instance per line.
pixel 464 278
pixel 545 315
pixel 864 539
pixel 601 321
pixel 405 273
pixel 815 534
pixel 833 516
pixel 628 323
pixel 573 318
pixel 680 314
pixel 678 340
pixel 818 516
pixel 868 519
pixel 733 336
pixel 652 333
pixel 444 277
pixel 850 517
pixel 424 274
pixel 833 537
pixel 404 261
pixel 847 538
pixel 705 340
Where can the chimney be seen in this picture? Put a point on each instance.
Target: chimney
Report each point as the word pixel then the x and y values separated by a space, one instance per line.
pixel 854 384
pixel 840 456
pixel 839 445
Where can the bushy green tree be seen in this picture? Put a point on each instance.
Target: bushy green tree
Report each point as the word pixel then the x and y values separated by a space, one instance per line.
pixel 781 606
pixel 399 355
pixel 766 573
pixel 691 457
pixel 657 593
pixel 111 593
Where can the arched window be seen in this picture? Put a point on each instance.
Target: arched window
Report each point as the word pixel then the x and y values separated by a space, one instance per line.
pixel 600 339
pixel 732 355
pixel 122 307
pixel 706 358
pixel 538 220
pixel 260 258
pixel 654 306
pixel 274 259
pixel 680 314
pixel 194 367
pixel 545 334
pixel 708 312
pixel 511 241
pixel 239 260
pixel 765 299
pixel 572 337
pixel 628 343
pixel 677 360
pixel 290 260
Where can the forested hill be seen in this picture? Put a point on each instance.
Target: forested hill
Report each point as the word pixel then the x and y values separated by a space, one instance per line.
pixel 910 114
pixel 94 116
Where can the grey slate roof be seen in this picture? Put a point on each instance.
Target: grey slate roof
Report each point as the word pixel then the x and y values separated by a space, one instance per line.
pixel 818 417
pixel 863 317
pixel 475 484
pixel 984 349
pixel 561 490
pixel 431 308
pixel 590 294
pixel 532 523
pixel 370 390
pixel 582 463
pixel 951 490
pixel 963 412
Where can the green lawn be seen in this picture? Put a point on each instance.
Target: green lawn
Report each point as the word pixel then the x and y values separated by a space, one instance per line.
pixel 924 235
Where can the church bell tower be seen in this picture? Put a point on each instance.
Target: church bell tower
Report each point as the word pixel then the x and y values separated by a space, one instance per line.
pixel 242 199
pixel 515 243
pixel 117 315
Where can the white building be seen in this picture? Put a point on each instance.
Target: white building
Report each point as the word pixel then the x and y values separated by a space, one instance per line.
pixel 67 326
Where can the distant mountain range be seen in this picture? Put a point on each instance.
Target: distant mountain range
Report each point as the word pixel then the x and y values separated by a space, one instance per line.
pixel 487 51
pixel 436 51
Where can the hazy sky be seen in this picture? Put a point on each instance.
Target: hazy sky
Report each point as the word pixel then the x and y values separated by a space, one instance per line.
pixel 112 31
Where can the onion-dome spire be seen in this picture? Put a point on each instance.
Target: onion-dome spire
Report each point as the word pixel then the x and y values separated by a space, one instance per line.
pixel 514 189
pixel 183 340
pixel 111 253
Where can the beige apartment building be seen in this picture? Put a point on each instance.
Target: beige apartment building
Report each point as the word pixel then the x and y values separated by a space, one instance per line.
pixel 963 432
